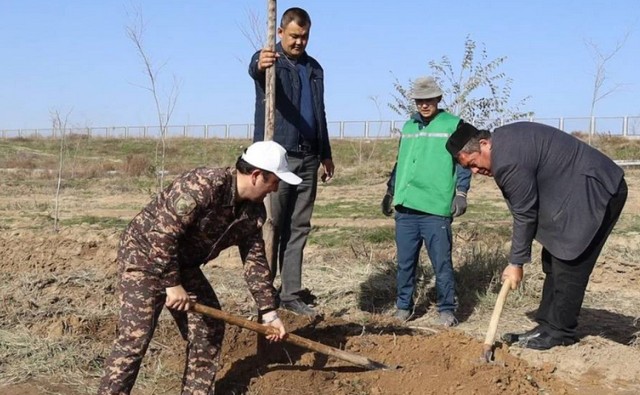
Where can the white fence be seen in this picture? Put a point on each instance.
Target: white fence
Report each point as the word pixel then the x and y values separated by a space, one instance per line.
pixel 628 126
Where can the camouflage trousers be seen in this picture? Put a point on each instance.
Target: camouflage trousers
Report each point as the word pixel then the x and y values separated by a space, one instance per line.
pixel 141 301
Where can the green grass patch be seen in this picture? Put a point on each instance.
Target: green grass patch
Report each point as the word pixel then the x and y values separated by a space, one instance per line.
pixel 355 153
pixel 378 235
pixel 336 237
pixel 346 209
pixel 103 222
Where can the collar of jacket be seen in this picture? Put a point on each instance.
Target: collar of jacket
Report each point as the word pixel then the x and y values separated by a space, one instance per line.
pixel 239 207
pixel 285 60
pixel 417 118
pixel 232 191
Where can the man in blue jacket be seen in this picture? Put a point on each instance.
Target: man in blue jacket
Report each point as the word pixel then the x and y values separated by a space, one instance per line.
pixel 301 128
pixel 562 193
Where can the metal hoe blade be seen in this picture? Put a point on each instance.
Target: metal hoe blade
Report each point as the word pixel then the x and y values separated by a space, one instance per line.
pixel 487 353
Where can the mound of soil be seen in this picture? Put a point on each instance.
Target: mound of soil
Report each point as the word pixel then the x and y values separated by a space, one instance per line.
pixel 64 276
pixel 448 362
pixel 61 286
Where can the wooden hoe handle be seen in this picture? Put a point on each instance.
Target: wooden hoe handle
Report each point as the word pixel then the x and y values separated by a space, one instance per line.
pixel 497 310
pixel 290 338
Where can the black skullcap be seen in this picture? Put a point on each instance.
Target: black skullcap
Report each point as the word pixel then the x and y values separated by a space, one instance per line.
pixel 460 137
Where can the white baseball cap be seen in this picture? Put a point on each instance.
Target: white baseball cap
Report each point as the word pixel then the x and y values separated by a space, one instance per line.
pixel 271 156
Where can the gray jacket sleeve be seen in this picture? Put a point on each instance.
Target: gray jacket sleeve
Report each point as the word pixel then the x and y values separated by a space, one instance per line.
pixel 518 185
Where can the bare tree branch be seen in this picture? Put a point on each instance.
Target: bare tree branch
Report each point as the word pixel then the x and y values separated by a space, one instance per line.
pixel 601 60
pixel 135 32
pixel 254 30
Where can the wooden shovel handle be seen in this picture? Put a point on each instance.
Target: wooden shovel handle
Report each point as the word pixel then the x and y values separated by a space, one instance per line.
pixel 290 338
pixel 497 310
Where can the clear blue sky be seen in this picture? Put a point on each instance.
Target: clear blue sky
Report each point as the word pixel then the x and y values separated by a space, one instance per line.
pixel 74 55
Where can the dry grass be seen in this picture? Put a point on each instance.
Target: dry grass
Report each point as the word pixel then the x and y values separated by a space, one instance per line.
pixel 137 165
pixel 22 160
pixel 58 318
pixel 26 356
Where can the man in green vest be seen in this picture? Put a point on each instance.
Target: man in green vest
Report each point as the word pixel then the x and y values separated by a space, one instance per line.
pixel 428 190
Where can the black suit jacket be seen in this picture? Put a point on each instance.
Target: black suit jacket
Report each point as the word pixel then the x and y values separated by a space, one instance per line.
pixel 557 188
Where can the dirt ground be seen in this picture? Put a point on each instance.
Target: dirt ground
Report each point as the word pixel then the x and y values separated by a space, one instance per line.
pixel 58 311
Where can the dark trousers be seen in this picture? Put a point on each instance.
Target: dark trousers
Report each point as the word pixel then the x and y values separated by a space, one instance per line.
pixel 412 230
pixel 141 302
pixel 291 209
pixel 566 281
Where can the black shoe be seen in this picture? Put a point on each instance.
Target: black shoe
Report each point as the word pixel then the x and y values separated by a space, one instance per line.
pixel 306 296
pixel 544 341
pixel 297 306
pixel 511 338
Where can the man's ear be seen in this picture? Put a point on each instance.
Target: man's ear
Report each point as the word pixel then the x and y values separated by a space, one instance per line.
pixel 254 176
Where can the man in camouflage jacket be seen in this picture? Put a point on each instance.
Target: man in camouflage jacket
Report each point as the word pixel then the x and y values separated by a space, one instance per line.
pixel 200 214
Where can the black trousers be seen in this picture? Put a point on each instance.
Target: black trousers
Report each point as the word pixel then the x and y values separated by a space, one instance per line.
pixel 566 281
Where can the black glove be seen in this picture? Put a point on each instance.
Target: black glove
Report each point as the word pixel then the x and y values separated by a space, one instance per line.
pixel 387 204
pixel 459 204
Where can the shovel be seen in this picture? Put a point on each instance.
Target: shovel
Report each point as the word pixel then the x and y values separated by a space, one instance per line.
pixel 291 338
pixel 487 351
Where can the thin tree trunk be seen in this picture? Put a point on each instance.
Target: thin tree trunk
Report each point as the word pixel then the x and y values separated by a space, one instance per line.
pixel 56 214
pixel 270 231
pixel 270 88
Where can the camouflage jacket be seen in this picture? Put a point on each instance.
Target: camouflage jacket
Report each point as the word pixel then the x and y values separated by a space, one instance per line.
pixel 190 223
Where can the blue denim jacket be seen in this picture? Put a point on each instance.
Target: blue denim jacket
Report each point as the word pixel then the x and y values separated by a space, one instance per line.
pixel 288 117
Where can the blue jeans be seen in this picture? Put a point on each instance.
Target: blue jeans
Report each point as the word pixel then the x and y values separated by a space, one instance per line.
pixel 435 231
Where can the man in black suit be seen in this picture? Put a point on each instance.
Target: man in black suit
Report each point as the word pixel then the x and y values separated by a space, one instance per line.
pixel 562 193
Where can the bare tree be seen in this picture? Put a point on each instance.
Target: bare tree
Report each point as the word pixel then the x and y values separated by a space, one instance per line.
pixel 164 108
pixel 477 91
pixel 59 125
pixel 254 30
pixel 601 88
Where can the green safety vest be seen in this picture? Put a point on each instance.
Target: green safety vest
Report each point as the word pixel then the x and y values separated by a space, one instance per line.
pixel 426 173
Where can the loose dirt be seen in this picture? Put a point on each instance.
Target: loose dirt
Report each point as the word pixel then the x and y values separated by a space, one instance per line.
pixel 57 298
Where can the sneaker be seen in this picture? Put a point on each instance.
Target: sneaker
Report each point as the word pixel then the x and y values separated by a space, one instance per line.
pixel 402 315
pixel 298 307
pixel 447 318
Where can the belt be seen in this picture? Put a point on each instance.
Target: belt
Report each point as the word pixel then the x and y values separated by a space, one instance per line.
pixel 406 210
pixel 303 150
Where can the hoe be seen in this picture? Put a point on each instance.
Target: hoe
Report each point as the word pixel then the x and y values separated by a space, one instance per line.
pixel 291 338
